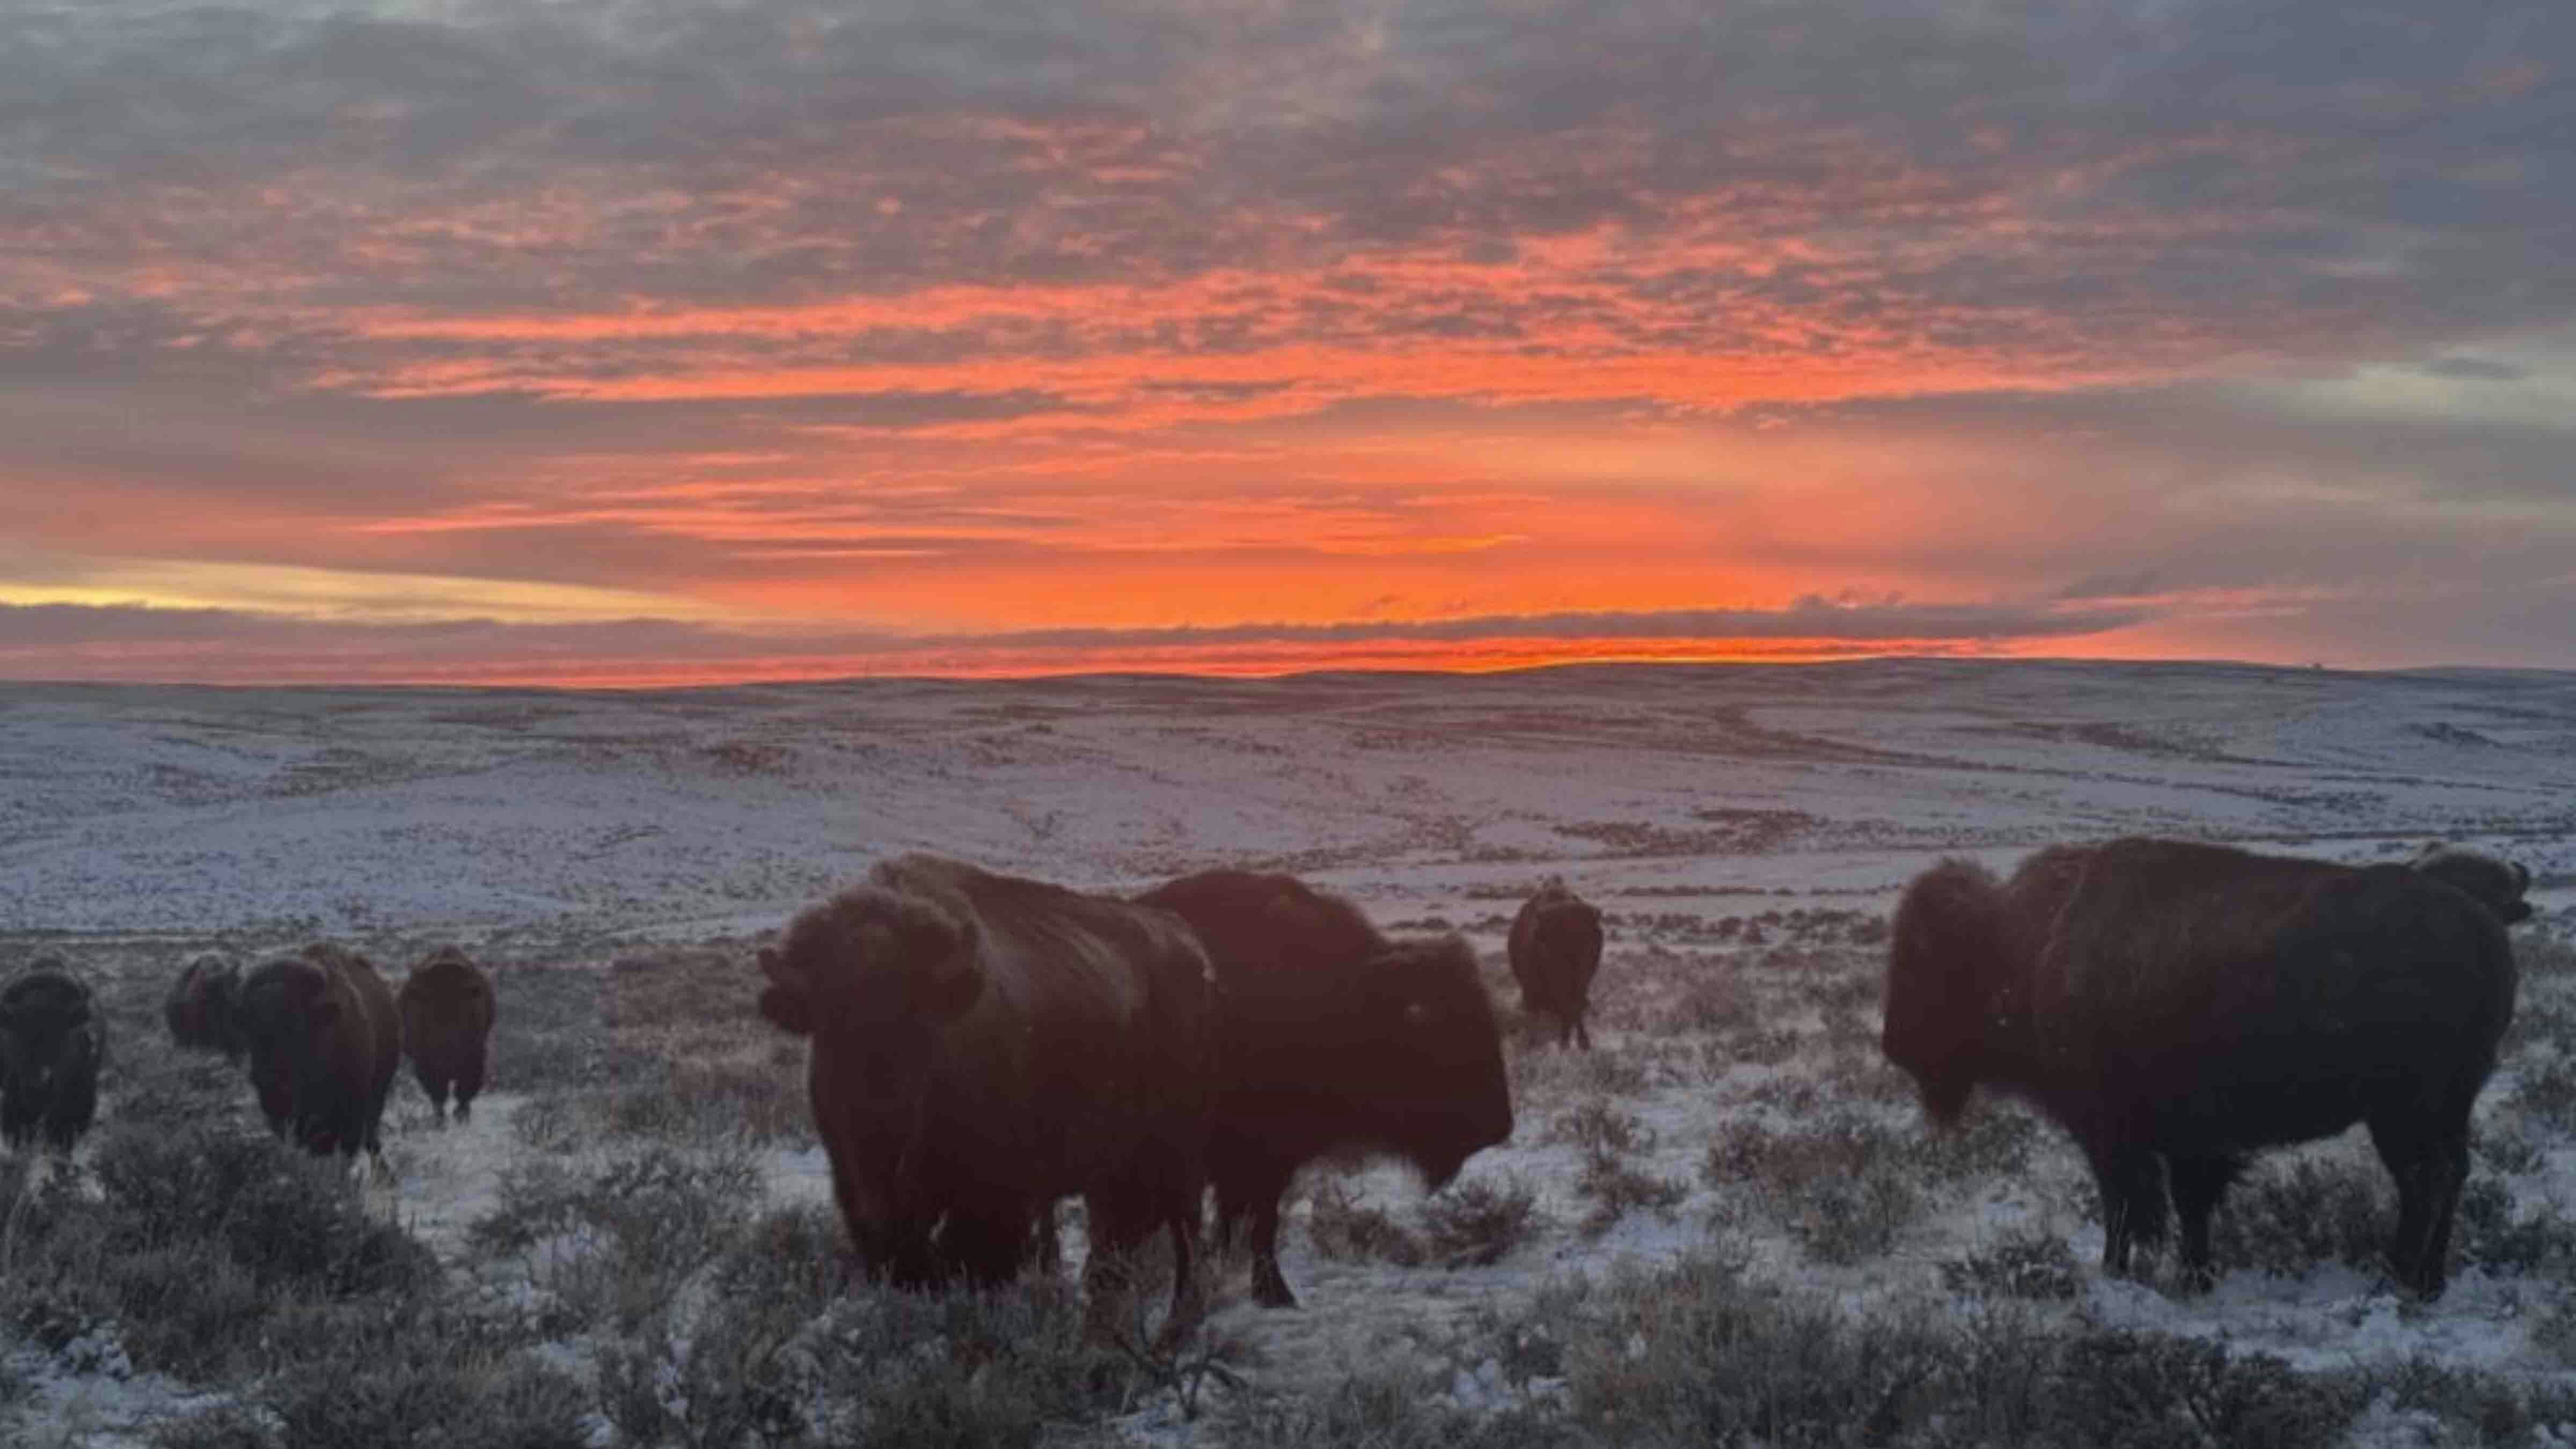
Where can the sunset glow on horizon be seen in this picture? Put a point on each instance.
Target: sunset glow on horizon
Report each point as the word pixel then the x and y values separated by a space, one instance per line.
pixel 486 342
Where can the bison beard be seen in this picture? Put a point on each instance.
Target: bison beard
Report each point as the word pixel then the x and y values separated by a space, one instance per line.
pixel 1555 950
pixel 52 1043
pixel 1331 1039
pixel 324 1042
pixel 984 1044
pixel 2176 1007
pixel 447 1011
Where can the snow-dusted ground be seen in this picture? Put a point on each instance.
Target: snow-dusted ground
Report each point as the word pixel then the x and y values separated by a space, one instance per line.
pixel 138 823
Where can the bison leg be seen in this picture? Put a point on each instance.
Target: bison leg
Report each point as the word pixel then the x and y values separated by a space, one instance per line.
pixel 435 1086
pixel 1269 1285
pixel 1582 1033
pixel 469 1083
pixel 2430 1167
pixel 2131 1181
pixel 2198 1184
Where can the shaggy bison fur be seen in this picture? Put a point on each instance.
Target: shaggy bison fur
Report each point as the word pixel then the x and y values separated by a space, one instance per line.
pixel 52 1043
pixel 2176 1007
pixel 1555 949
pixel 2496 884
pixel 447 1010
pixel 1333 1039
pixel 324 1041
pixel 199 1008
pixel 984 1044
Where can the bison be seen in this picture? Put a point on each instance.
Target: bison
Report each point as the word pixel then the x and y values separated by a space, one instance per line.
pixel 447 1010
pixel 53 1041
pixel 1555 951
pixel 2496 884
pixel 2177 1007
pixel 323 1040
pixel 199 1008
pixel 983 1044
pixel 1331 1038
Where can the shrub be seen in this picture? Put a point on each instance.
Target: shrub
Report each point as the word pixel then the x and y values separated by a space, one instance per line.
pixel 1350 1231
pixel 1475 1223
pixel 2147 1391
pixel 2023 1265
pixel 198 1242
pixel 2286 1222
pixel 622 1241
pixel 1699 1355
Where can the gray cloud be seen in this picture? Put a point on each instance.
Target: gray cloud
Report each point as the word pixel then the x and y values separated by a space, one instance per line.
pixel 66 641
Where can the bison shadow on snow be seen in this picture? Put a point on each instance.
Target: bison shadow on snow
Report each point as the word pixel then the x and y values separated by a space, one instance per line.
pixel 52 1044
pixel 447 1012
pixel 1555 951
pixel 2176 1007
pixel 984 1044
pixel 324 1041
pixel 1333 1039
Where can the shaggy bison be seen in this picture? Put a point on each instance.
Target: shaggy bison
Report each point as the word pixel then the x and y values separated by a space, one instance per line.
pixel 984 1044
pixel 323 1041
pixel 1332 1038
pixel 199 1007
pixel 2496 884
pixel 1555 950
pixel 52 1043
pixel 2176 1007
pixel 446 1006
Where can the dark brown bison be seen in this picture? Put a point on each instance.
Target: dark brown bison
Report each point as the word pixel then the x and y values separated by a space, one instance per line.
pixel 2496 884
pixel 447 1011
pixel 1555 949
pixel 52 1044
pixel 985 1044
pixel 2176 1007
pixel 1332 1039
pixel 199 1007
pixel 324 1040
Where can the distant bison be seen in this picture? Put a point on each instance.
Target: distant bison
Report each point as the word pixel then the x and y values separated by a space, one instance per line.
pixel 52 1044
pixel 199 1007
pixel 2496 884
pixel 984 1044
pixel 447 1010
pixel 2178 1006
pixel 1332 1038
pixel 324 1041
pixel 1555 952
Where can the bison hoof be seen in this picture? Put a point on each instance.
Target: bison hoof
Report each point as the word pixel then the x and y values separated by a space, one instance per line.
pixel 1272 1292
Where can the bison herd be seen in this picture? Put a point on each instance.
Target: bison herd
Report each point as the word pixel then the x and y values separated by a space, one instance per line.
pixel 982 1046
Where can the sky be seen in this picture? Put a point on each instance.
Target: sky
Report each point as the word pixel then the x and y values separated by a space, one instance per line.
pixel 628 342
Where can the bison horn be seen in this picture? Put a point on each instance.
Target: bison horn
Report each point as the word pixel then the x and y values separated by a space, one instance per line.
pixel 2521 877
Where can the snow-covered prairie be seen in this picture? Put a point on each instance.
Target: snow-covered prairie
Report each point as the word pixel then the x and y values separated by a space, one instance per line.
pixel 1707 810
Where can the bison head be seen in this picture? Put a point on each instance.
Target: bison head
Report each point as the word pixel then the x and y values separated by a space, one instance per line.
pixel 1435 1063
pixel 200 1006
pixel 875 977
pixel 49 1030
pixel 2495 884
pixel 1947 940
pixel 288 1019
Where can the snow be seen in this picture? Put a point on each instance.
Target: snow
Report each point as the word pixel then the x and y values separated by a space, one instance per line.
pixel 152 820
